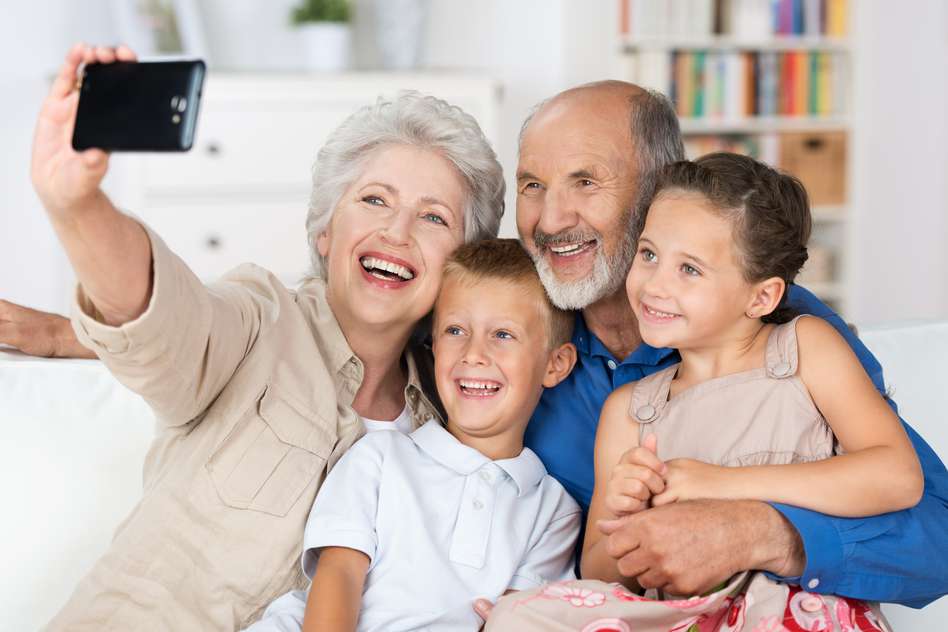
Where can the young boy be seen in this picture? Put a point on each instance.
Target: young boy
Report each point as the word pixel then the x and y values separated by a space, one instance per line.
pixel 408 530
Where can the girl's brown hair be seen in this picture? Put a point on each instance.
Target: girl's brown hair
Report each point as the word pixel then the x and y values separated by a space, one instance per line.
pixel 769 210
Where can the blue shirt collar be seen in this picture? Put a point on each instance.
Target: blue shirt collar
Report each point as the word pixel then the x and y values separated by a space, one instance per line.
pixel 588 344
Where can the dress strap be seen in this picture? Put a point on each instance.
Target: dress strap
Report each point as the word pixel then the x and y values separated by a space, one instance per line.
pixel 651 394
pixel 782 353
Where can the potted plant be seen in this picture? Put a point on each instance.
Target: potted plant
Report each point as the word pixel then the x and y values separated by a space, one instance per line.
pixel 325 33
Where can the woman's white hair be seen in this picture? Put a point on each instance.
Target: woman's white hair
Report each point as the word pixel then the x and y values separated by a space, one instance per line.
pixel 412 119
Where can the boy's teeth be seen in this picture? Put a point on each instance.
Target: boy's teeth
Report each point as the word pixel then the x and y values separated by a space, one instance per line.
pixel 486 388
pixel 373 263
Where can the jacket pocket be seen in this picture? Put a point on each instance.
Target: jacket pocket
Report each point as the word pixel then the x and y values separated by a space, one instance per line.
pixel 274 452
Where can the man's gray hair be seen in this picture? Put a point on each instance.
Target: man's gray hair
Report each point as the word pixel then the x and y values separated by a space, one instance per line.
pixel 656 137
pixel 419 121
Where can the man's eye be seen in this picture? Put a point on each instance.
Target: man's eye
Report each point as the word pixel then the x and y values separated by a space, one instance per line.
pixel 690 270
pixel 374 200
pixel 453 331
pixel 435 219
pixel 532 186
pixel 586 182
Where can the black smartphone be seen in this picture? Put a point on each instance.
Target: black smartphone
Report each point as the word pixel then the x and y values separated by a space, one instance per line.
pixel 139 106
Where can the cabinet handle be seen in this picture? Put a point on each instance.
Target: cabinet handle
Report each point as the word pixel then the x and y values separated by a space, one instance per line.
pixel 213 149
pixel 213 242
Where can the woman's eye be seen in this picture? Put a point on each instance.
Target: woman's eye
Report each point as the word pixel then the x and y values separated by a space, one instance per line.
pixel 648 255
pixel 434 218
pixel 690 270
pixel 452 330
pixel 374 200
pixel 504 335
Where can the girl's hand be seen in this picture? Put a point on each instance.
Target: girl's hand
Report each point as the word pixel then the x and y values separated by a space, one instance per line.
pixel 63 177
pixel 636 478
pixel 688 479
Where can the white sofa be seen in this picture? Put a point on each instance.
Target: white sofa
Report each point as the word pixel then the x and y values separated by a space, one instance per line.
pixel 75 441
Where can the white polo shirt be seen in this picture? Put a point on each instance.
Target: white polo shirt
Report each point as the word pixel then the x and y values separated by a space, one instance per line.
pixel 442 525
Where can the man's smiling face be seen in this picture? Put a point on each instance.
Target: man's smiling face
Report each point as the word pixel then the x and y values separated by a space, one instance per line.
pixel 576 187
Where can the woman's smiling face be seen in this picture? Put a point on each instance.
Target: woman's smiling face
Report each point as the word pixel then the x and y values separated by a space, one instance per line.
pixel 390 235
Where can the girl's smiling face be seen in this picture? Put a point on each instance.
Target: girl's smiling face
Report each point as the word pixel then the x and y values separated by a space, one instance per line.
pixel 390 235
pixel 686 285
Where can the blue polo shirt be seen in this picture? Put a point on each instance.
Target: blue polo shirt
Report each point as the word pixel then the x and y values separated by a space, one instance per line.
pixel 899 557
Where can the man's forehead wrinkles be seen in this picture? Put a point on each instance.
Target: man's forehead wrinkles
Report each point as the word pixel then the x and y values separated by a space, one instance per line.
pixel 570 164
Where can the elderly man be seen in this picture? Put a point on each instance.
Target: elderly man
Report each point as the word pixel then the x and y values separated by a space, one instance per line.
pixel 588 158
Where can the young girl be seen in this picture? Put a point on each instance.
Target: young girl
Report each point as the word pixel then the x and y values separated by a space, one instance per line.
pixel 762 406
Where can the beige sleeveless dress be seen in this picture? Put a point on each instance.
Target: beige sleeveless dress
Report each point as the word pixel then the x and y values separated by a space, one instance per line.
pixel 756 417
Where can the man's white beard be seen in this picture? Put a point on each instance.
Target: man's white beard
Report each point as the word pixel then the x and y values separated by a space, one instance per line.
pixel 607 276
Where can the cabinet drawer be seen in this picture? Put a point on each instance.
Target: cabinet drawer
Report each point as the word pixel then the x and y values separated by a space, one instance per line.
pixel 243 146
pixel 214 238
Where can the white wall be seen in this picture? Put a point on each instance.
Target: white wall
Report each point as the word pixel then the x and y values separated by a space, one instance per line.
pixel 33 39
pixel 900 241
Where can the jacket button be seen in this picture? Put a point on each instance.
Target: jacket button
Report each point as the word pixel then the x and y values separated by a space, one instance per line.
pixel 781 370
pixel 645 413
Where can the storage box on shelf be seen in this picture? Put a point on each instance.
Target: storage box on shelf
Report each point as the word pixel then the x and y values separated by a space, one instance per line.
pixel 767 78
pixel 242 192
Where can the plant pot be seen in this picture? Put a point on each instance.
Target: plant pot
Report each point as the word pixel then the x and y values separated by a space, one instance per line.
pixel 325 45
pixel 400 32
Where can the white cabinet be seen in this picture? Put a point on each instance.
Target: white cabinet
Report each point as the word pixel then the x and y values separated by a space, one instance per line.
pixel 241 193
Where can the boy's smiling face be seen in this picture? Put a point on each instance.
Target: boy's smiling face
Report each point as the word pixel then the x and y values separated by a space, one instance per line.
pixel 492 359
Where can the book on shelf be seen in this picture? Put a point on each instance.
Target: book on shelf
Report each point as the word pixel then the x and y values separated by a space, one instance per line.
pixel 737 84
pixel 750 20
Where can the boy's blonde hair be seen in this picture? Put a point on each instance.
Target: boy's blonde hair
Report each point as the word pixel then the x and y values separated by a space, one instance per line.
pixel 506 260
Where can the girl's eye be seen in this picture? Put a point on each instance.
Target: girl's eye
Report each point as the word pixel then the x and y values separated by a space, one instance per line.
pixel 434 218
pixel 648 255
pixel 374 200
pixel 690 270
pixel 504 335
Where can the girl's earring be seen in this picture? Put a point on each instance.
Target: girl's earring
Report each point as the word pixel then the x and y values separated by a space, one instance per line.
pixel 750 315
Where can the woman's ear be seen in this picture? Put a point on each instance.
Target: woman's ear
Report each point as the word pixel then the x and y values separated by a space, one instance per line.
pixel 560 362
pixel 766 298
pixel 322 242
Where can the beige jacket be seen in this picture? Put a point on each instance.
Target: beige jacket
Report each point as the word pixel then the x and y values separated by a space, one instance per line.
pixel 252 386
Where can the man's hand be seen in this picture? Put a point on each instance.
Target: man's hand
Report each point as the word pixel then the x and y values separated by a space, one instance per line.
pixel 688 548
pixel 39 333
pixel 635 479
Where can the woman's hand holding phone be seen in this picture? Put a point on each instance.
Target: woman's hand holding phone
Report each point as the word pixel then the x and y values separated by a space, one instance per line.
pixel 109 251
pixel 66 180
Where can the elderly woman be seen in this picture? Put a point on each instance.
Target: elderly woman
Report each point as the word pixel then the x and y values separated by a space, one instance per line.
pixel 258 389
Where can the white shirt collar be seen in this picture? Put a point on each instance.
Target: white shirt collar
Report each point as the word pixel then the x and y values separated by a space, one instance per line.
pixel 526 470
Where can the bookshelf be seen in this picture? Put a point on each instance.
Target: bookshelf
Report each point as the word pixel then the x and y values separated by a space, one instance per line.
pixel 769 78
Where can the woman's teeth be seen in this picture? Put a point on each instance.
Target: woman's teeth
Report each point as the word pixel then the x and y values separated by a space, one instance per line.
pixel 479 389
pixel 376 267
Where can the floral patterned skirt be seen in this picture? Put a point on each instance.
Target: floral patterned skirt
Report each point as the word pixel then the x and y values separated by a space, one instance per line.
pixel 750 601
